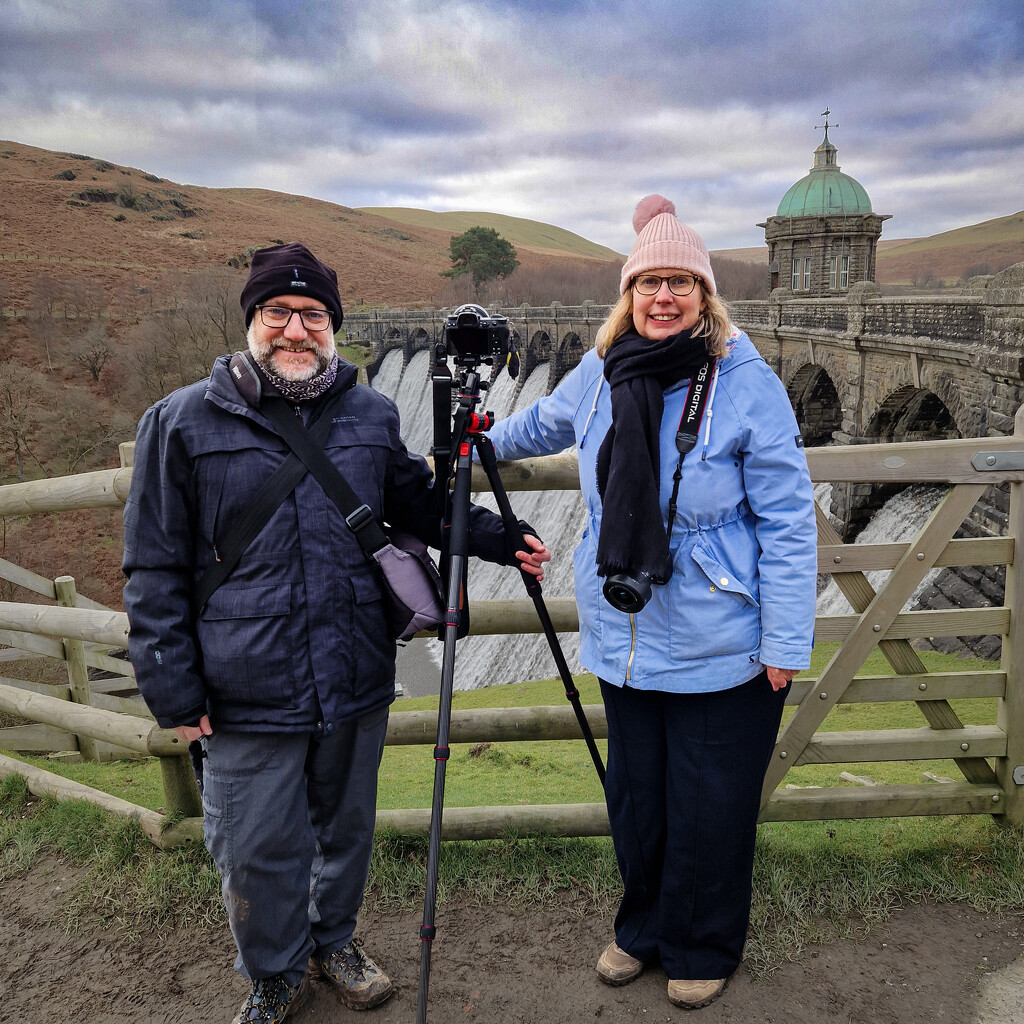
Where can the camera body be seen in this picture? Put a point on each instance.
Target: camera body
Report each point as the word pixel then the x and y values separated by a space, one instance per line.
pixel 476 336
pixel 629 592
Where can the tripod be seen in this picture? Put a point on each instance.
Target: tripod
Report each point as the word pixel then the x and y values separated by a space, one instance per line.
pixel 464 435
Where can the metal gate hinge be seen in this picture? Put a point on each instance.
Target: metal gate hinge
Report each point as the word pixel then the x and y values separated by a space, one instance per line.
pixel 992 461
pixel 1018 775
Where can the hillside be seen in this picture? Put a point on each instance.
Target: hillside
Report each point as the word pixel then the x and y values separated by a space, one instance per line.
pixel 529 235
pixel 982 248
pixel 69 215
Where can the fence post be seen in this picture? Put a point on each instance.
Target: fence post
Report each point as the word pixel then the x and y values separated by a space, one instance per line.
pixel 1011 705
pixel 181 793
pixel 74 659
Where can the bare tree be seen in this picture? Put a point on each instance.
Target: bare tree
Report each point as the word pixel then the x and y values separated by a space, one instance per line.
pixel 79 430
pixel 213 300
pixel 93 351
pixel 20 399
pixel 84 306
pixel 169 354
pixel 47 298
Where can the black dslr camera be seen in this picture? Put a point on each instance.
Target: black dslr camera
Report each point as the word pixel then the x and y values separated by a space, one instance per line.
pixel 476 336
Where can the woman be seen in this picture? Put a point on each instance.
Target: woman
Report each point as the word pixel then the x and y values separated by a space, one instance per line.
pixel 693 681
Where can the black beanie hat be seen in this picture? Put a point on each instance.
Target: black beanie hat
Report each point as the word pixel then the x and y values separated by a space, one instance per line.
pixel 290 270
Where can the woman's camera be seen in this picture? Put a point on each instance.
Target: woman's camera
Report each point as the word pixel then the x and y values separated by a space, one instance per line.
pixel 629 592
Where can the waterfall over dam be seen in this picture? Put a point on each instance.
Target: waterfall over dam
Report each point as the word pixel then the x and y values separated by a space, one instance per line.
pixel 558 516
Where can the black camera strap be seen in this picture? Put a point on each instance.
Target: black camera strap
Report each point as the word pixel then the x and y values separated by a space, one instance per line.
pixel 689 427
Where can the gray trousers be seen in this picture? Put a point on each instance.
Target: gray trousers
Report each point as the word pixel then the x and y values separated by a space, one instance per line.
pixel 288 820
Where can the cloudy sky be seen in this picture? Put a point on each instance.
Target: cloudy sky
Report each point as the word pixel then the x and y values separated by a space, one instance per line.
pixel 565 111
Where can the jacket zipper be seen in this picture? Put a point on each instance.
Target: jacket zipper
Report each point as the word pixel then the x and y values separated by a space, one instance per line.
pixel 632 647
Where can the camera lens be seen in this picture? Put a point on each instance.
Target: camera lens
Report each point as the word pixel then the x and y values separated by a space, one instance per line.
pixel 628 593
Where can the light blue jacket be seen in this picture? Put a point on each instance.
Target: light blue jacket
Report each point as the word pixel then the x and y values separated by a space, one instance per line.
pixel 742 592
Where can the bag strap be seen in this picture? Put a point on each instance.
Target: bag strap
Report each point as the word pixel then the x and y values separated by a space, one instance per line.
pixel 358 516
pixel 271 495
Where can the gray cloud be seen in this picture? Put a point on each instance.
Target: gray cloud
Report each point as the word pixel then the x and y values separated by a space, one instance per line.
pixel 566 112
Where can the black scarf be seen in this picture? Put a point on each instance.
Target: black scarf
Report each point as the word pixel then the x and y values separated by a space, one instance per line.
pixel 633 536
pixel 300 390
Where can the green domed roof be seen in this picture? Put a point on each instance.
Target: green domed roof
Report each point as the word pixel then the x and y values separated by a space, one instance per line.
pixel 825 190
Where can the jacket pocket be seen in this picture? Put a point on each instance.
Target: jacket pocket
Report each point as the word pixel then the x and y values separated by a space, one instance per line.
pixel 716 612
pixel 249 647
pixel 720 576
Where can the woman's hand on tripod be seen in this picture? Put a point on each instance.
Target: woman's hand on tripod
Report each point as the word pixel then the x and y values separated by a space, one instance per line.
pixel 533 561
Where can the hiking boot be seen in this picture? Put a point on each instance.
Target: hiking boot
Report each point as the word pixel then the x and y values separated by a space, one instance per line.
pixel 271 1000
pixel 617 967
pixel 692 995
pixel 357 980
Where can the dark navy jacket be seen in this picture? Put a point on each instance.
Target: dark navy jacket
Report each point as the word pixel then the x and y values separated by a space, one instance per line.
pixel 297 636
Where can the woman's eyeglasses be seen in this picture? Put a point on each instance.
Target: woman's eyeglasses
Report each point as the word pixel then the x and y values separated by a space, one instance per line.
pixel 678 284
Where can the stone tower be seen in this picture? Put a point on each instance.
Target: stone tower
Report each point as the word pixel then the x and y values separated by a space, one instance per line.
pixel 822 239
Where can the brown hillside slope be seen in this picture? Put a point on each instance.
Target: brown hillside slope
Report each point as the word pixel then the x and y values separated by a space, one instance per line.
pixel 987 247
pixel 122 227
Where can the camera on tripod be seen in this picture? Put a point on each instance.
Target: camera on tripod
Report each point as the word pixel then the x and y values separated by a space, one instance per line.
pixel 476 336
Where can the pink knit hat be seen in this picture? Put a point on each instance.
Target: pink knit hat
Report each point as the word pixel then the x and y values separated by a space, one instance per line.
pixel 665 242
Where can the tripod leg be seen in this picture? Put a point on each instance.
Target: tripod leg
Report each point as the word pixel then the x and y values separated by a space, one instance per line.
pixel 490 464
pixel 458 550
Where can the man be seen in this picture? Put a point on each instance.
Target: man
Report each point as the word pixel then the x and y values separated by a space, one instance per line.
pixel 287 671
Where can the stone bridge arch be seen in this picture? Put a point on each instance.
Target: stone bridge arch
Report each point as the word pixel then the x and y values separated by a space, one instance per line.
pixel 417 340
pixel 540 345
pixel 909 413
pixel 816 403
pixel 567 355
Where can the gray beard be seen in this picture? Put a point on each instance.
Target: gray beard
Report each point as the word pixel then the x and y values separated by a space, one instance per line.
pixel 263 353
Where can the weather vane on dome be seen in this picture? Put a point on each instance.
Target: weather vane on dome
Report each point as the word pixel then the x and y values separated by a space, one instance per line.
pixel 826 125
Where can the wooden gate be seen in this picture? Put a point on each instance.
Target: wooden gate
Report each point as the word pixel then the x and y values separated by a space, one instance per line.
pixel 990 758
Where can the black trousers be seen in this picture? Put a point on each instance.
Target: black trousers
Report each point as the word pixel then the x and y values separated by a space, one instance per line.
pixel 683 788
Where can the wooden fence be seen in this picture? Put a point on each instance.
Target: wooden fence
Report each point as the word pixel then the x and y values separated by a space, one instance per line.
pixel 90 718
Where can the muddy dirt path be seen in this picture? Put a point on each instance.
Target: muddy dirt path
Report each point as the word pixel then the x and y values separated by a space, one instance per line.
pixel 928 963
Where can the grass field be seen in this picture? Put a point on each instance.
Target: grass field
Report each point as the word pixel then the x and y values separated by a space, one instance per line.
pixel 814 881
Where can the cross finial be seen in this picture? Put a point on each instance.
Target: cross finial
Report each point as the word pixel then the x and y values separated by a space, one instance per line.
pixel 826 125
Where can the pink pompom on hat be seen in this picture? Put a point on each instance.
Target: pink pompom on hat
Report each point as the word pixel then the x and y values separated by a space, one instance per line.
pixel 663 242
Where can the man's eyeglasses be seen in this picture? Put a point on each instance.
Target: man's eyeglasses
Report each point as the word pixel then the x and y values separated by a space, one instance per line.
pixel 678 284
pixel 281 316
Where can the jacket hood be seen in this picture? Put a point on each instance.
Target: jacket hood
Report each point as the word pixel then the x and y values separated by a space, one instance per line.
pixel 741 350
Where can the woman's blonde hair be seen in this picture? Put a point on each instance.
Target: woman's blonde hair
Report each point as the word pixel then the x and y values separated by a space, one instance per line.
pixel 712 324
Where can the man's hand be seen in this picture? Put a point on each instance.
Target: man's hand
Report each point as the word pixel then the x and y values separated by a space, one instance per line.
pixel 192 732
pixel 778 677
pixel 533 561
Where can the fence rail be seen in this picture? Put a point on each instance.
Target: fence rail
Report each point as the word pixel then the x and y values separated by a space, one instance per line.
pixel 98 723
